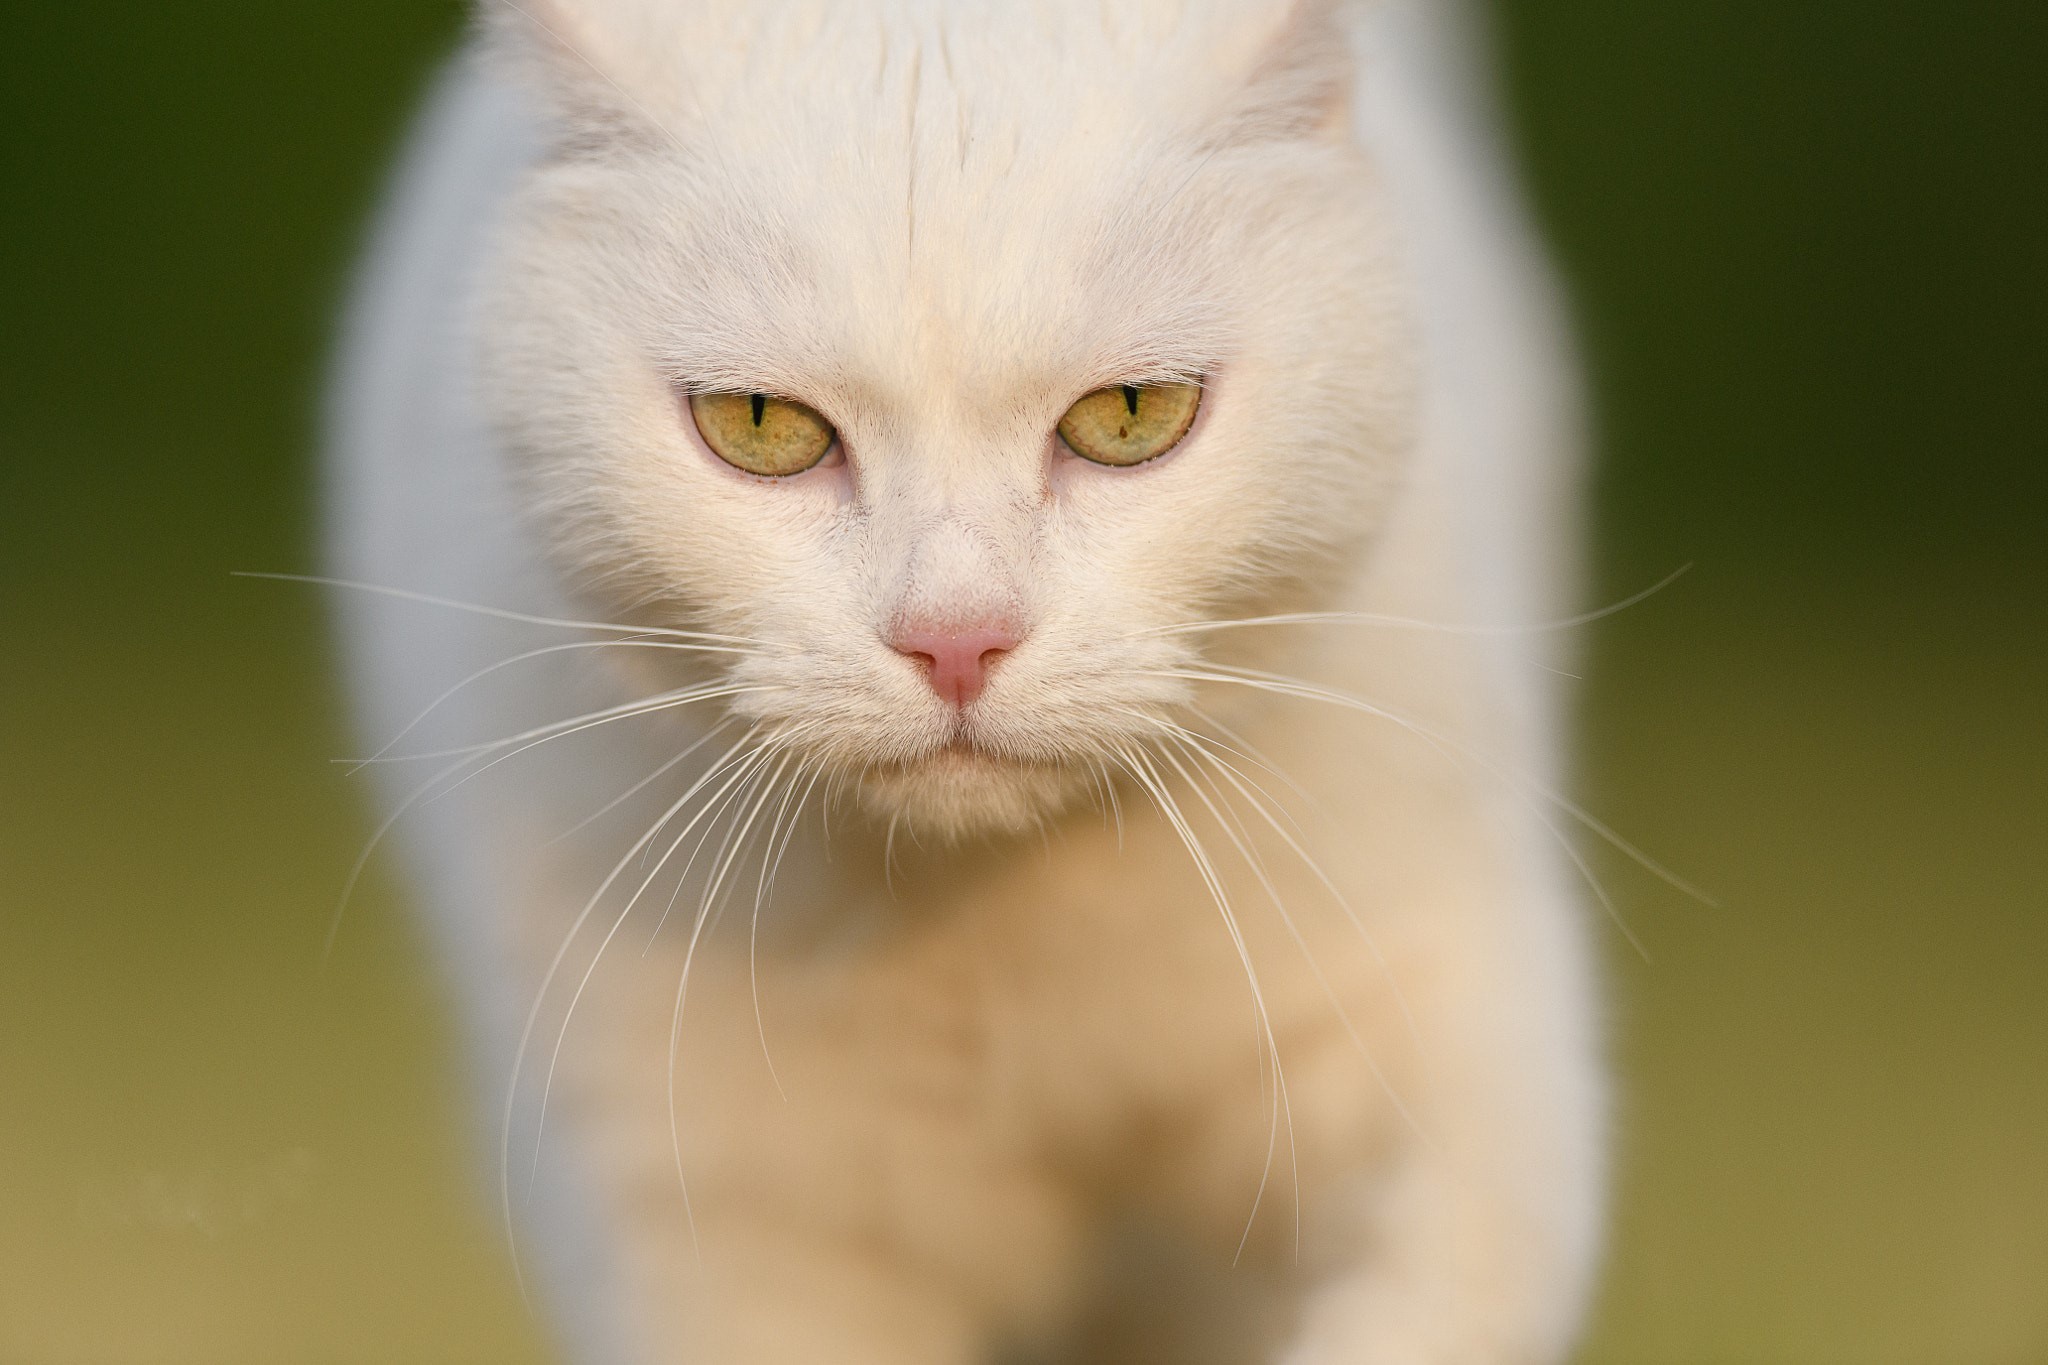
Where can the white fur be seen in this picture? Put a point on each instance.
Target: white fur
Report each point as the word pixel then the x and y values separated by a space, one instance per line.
pixel 990 1067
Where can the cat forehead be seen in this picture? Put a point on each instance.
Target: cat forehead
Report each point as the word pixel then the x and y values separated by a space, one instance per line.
pixel 1017 191
pixel 910 273
pixel 720 57
pixel 979 78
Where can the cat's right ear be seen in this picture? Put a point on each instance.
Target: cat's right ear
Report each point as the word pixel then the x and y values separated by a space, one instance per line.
pixel 557 50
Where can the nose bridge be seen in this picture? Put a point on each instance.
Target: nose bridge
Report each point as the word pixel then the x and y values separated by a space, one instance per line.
pixel 957 469
pixel 955 523
pixel 960 567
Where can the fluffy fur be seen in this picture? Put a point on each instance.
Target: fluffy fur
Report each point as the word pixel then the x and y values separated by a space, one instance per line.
pixel 1206 990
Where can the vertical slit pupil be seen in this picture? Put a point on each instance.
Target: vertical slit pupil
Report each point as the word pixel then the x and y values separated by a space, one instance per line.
pixel 1130 399
pixel 760 401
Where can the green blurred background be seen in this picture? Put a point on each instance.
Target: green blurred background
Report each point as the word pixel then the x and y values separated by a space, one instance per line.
pixel 1806 243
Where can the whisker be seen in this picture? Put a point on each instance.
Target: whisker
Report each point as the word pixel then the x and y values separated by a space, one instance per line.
pixel 499 613
pixel 629 793
pixel 1366 618
pixel 530 654
pixel 1451 750
pixel 764 891
pixel 1250 752
pixel 775 744
pixel 743 771
pixel 761 792
pixel 590 970
pixel 1532 785
pixel 1244 677
pixel 1104 787
pixel 660 701
pixel 889 854
pixel 547 980
pixel 1233 829
pixel 1194 748
pixel 1149 779
pixel 704 914
pixel 1262 802
pixel 427 791
pixel 729 797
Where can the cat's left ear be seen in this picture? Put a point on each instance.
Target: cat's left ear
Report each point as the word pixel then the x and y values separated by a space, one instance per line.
pixel 578 64
pixel 1299 84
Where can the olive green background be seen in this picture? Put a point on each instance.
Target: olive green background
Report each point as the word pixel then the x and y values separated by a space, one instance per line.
pixel 1806 246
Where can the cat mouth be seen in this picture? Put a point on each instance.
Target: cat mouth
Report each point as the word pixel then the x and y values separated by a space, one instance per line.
pixel 961 754
pixel 963 785
pixel 960 747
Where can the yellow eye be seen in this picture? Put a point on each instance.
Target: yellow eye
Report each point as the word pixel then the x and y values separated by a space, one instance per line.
pixel 772 437
pixel 1130 423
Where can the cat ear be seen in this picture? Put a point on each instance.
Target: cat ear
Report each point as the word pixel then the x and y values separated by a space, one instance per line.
pixel 1299 85
pixel 581 69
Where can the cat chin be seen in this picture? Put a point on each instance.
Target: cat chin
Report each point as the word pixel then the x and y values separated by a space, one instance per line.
pixel 959 793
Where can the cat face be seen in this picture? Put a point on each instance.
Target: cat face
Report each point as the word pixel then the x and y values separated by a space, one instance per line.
pixel 937 239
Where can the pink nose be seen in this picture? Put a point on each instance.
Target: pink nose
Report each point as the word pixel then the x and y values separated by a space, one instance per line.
pixel 956 661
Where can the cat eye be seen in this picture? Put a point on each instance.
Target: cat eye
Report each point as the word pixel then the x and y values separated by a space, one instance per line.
pixel 1129 424
pixel 772 437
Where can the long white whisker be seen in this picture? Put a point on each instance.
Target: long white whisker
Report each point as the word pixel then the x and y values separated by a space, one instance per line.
pixel 1194 747
pixel 728 797
pixel 741 771
pixel 752 801
pixel 775 744
pixel 1245 677
pixel 1262 802
pixel 427 791
pixel 1452 751
pixel 1233 830
pixel 1116 808
pixel 771 865
pixel 1250 752
pixel 682 990
pixel 1529 784
pixel 629 793
pixel 1210 747
pixel 482 673
pixel 1148 778
pixel 1366 618
pixel 889 854
pixel 1100 790
pixel 547 980
pixel 640 706
pixel 500 613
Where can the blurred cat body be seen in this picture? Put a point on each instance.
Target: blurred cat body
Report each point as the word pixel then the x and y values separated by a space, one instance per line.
pixel 1159 1002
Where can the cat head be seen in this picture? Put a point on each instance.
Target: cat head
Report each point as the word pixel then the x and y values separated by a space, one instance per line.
pixel 949 358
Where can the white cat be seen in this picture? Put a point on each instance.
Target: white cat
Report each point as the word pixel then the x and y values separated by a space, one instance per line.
pixel 912 901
